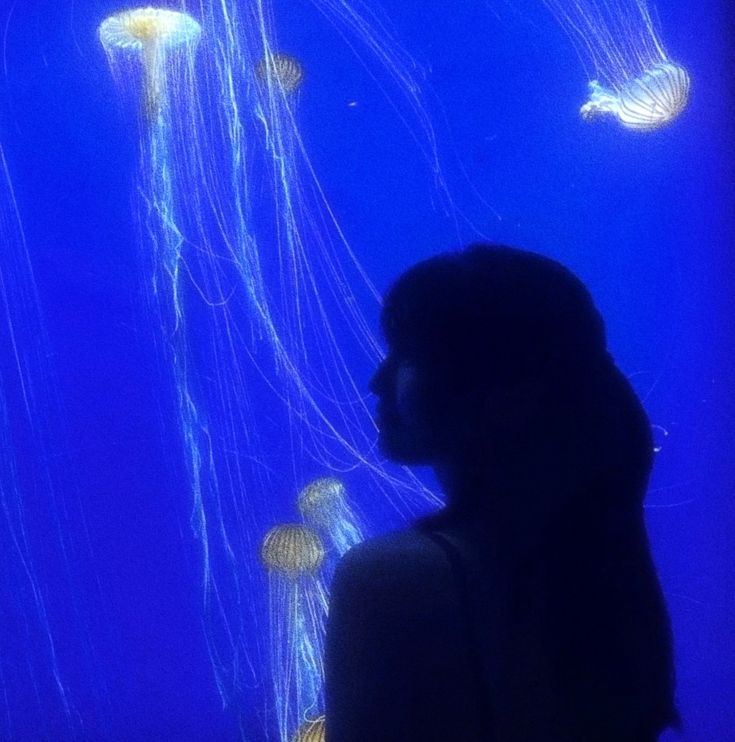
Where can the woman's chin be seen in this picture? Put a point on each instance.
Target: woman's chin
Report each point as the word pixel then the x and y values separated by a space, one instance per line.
pixel 401 448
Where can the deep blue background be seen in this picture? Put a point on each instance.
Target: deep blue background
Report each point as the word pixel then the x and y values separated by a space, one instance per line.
pixel 645 219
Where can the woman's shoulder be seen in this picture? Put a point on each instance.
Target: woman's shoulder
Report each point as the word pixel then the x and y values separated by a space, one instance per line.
pixel 404 562
pixel 393 551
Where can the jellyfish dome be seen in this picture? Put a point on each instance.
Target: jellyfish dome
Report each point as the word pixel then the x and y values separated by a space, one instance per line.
pixel 286 71
pixel 144 27
pixel 292 550
pixel 321 496
pixel 312 731
pixel 646 102
pixel 323 503
pixel 149 34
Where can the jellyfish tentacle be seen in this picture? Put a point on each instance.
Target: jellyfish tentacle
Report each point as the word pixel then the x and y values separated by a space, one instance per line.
pixel 601 102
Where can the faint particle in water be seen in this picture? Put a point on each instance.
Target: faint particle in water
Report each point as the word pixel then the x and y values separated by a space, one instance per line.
pixel 660 434
pixel 647 102
pixel 312 731
pixel 150 33
pixel 292 549
pixel 283 69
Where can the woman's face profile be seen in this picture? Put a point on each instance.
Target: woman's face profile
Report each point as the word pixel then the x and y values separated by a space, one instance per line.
pixel 402 411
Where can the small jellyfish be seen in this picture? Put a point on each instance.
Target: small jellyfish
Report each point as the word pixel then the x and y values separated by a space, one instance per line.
pixel 150 33
pixel 282 69
pixel 312 731
pixel 645 103
pixel 293 550
pixel 323 504
pixel 293 555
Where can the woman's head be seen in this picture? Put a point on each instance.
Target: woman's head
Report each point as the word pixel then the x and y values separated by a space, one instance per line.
pixel 494 349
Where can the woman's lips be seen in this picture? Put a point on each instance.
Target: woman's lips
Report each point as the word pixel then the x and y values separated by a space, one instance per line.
pixel 384 416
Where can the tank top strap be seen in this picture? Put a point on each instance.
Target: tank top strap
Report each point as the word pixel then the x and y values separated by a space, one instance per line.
pixel 482 692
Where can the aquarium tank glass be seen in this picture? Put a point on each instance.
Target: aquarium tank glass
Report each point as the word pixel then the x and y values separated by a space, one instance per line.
pixel 202 204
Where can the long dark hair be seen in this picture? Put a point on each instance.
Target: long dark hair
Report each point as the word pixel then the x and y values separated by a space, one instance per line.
pixel 492 316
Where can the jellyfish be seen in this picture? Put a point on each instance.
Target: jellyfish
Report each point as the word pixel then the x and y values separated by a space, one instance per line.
pixel 163 42
pixel 293 555
pixel 323 504
pixel 242 250
pixel 286 71
pixel 632 77
pixel 312 731
pixel 647 102
pixel 149 33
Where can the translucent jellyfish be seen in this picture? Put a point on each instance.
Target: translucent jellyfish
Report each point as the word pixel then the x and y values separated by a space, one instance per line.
pixel 149 33
pixel 632 77
pixel 323 504
pixel 293 555
pixel 286 71
pixel 647 102
pixel 256 295
pixel 312 731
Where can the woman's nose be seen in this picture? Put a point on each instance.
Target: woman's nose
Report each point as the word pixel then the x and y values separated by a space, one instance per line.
pixel 377 382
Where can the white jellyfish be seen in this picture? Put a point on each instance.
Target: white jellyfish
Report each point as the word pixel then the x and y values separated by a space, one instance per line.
pixel 149 34
pixel 293 555
pixel 632 77
pixel 323 504
pixel 646 102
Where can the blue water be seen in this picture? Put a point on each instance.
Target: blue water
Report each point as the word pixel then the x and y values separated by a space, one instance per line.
pixel 645 219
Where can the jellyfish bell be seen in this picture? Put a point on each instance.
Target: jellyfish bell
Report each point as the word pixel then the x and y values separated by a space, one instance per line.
pixel 323 503
pixel 283 70
pixel 292 549
pixel 320 497
pixel 312 731
pixel 620 45
pixel 644 103
pixel 293 555
pixel 150 33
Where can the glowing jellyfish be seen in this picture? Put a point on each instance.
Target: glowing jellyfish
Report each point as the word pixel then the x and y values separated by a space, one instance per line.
pixel 242 252
pixel 647 102
pixel 149 33
pixel 323 504
pixel 632 77
pixel 293 555
pixel 286 71
pixel 312 731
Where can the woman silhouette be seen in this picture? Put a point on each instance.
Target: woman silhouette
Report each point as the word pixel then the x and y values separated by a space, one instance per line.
pixel 528 609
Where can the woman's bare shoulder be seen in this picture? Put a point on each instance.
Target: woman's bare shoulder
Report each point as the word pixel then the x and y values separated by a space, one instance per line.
pixel 405 562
